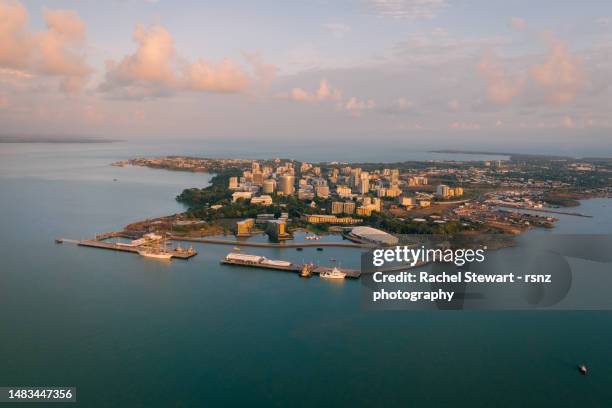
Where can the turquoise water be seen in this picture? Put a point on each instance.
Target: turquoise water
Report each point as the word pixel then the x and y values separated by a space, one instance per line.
pixel 137 333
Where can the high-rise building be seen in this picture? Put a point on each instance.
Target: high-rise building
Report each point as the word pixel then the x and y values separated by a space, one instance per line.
pixel 255 167
pixel 233 183
pixel 286 184
pixel 258 178
pixel 394 177
pixel 364 182
pixel 337 207
pixel 268 186
pixel 443 190
pixel 354 177
pixel 348 207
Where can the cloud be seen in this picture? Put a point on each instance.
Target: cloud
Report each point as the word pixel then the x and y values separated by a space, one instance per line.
pixel 338 30
pixel 264 72
pixel 560 76
pixel 156 69
pixel 355 107
pixel 15 42
pixel 500 88
pixel 401 105
pixel 323 93
pixel 407 9
pixel 4 103
pixel 223 77
pixel 518 23
pixel 568 122
pixel 151 63
pixel 55 52
pixel 465 125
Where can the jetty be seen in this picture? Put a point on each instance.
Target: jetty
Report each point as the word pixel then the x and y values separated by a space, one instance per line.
pixel 267 244
pixel 263 263
pixel 101 244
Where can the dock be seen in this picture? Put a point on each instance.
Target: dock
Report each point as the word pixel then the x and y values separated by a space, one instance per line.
pixel 295 268
pixel 267 244
pixel 94 243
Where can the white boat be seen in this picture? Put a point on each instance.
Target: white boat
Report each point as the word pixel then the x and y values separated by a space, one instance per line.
pixel 333 274
pixel 166 256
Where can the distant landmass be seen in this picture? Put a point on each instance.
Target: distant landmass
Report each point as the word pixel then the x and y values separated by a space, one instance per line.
pixel 513 156
pixel 53 139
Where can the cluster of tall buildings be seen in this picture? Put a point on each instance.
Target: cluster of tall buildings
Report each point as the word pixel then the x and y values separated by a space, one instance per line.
pixel 353 190
pixel 444 191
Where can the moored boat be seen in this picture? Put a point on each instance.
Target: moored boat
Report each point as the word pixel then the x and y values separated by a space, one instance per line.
pixel 161 255
pixel 335 273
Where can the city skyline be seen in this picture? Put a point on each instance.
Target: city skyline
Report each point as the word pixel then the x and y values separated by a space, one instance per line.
pixel 454 72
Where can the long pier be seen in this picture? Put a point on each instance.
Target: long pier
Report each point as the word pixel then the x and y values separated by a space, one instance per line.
pixel 295 268
pixel 92 243
pixel 267 244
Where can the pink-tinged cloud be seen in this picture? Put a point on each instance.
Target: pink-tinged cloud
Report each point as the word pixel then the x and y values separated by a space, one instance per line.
pixel 15 43
pixel 465 125
pixel 356 107
pixel 54 52
pixel 568 122
pixel 265 73
pixel 152 60
pixel 518 23
pixel 224 77
pixel 500 88
pixel 156 69
pixel 322 94
pixel 560 76
pixel 65 32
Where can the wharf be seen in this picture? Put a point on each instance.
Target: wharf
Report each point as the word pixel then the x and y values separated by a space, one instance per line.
pixel 296 268
pixel 267 244
pixel 92 243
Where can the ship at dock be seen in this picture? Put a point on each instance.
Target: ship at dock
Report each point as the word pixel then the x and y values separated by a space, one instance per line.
pixel 335 273
pixel 155 254
pixel 304 270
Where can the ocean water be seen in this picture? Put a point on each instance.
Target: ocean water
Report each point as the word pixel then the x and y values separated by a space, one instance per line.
pixel 131 332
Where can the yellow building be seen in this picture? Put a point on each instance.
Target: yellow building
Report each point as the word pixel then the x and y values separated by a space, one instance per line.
pixel 328 219
pixel 244 227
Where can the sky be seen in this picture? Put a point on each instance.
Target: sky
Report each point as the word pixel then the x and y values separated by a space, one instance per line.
pixel 471 74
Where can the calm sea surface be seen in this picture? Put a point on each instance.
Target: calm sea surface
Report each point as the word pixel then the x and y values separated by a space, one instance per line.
pixel 137 333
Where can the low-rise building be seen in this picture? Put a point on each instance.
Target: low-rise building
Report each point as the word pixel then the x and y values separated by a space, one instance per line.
pixel 329 219
pixel 262 200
